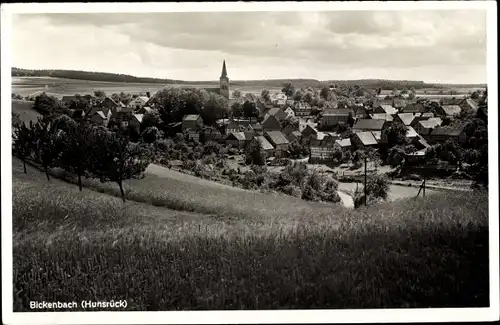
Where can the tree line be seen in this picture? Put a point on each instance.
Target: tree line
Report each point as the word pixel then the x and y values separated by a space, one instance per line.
pixel 79 148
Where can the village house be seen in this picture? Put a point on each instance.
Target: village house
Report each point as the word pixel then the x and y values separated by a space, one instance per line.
pixel 364 139
pixel 424 117
pixel 335 116
pixel 414 108
pixel 442 134
pixel 271 123
pixel 309 133
pixel 276 112
pixel 384 109
pixel 236 140
pixel 212 134
pixel 304 122
pixel 265 146
pixel 192 122
pixel 382 116
pixel 405 118
pixel 136 121
pixel 469 104
pixel 234 126
pixel 98 117
pixel 256 127
pixel 302 109
pixel 289 112
pixel 290 128
pixel 425 127
pixel 294 136
pixel 138 102
pixel 369 125
pixel 449 110
pixel 279 142
pixel 322 150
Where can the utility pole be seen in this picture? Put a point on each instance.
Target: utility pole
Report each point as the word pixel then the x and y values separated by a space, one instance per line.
pixel 424 187
pixel 365 182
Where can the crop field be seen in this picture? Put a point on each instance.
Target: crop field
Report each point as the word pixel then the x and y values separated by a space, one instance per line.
pixel 71 245
pixel 25 110
pixel 59 87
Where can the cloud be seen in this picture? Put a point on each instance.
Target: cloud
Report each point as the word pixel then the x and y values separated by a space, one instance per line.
pixel 262 41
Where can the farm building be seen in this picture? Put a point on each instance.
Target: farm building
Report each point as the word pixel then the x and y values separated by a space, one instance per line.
pixel 138 102
pixel 271 123
pixel 304 122
pixel 302 109
pixel 192 122
pixel 99 117
pixel 322 151
pixel 405 118
pixel 236 140
pixel 279 142
pixel 369 125
pixel 309 133
pixel 364 139
pixel 443 134
pixel 212 134
pixel 414 108
pixel 265 145
pixel 382 116
pixel 335 116
pixel 276 112
pixel 449 110
pixel 425 127
pixel 384 109
pixel 469 105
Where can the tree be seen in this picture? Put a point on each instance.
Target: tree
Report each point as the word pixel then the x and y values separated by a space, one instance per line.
pixel 117 159
pixel 237 93
pixel 16 120
pixel 44 144
pixel 216 107
pixel 325 93
pixel 77 144
pixel 288 89
pixel 151 134
pixel 265 95
pixel 254 153
pixel 395 134
pixel 250 109
pixel 237 109
pixel 23 138
pixel 250 97
pixel 100 94
pixel 150 119
pixel 299 94
pixel 48 105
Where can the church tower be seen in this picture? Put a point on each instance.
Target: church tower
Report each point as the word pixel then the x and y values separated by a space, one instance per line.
pixel 224 82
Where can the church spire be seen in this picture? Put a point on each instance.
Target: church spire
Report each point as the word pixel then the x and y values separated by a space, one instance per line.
pixel 224 72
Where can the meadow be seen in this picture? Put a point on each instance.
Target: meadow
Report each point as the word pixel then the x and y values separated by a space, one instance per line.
pixel 25 110
pixel 71 245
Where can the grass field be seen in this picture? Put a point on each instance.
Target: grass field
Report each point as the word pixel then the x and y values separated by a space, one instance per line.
pixel 25 110
pixel 69 245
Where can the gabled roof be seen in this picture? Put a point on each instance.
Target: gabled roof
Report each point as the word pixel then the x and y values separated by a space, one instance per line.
pixel 366 138
pixel 429 124
pixel 369 124
pixel 472 104
pixel 264 144
pixel 249 135
pixel 191 117
pixel 240 136
pixel 407 118
pixel 271 119
pixel 377 135
pixel 277 138
pixel 388 109
pixel 451 109
pixel 139 117
pixel 344 142
pixel 382 116
pixel 411 133
pixel 144 98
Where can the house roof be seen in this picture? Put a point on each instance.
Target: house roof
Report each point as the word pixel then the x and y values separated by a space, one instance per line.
pixel 297 134
pixel 336 112
pixel 264 144
pixel 449 131
pixel 451 109
pixel 271 119
pixel 369 124
pixel 144 98
pixel 382 116
pixel 366 138
pixel 249 135
pixel 472 103
pixel 110 99
pixel 388 109
pixel 257 126
pixel 240 136
pixel 344 142
pixel 407 118
pixel 139 117
pixel 411 133
pixel 191 117
pixel 276 137
pixel 377 135
pixel 101 114
pixel 429 124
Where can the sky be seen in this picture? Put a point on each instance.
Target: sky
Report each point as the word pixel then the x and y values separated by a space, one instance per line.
pixel 447 46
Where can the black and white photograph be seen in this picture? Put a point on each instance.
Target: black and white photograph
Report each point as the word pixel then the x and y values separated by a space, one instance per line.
pixel 249 157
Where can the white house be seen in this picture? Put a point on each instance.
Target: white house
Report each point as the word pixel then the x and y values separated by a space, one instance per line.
pixel 138 102
pixel 289 112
